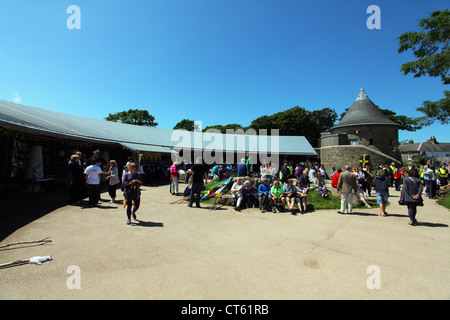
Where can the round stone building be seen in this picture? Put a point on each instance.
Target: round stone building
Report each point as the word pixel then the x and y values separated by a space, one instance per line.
pixel 364 136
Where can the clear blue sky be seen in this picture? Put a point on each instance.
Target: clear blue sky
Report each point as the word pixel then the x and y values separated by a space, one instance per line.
pixel 216 61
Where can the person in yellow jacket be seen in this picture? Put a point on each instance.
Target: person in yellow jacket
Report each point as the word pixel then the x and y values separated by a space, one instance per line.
pixel 442 175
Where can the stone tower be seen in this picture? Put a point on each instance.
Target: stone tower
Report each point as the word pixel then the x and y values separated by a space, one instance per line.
pixel 364 130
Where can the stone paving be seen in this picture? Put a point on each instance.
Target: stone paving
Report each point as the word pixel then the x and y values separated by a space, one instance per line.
pixel 176 252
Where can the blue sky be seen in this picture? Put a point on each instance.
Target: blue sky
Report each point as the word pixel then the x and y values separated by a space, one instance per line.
pixel 215 61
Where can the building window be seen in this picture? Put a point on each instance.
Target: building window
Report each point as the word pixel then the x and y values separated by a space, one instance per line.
pixel 353 142
pixel 409 156
pixel 370 142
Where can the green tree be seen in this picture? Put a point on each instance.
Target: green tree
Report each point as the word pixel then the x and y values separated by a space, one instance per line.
pixel 185 124
pixel 133 116
pixel 298 121
pixel 223 129
pixel 431 48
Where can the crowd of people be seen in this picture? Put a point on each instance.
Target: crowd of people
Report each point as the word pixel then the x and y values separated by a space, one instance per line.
pixel 268 187
pixel 85 180
pixel 278 190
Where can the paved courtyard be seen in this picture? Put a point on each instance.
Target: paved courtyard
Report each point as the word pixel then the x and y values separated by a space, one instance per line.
pixel 176 252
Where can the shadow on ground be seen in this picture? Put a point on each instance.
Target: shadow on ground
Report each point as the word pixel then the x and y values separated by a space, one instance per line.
pixel 17 209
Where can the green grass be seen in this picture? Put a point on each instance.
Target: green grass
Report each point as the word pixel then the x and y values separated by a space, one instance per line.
pixel 316 201
pixel 444 200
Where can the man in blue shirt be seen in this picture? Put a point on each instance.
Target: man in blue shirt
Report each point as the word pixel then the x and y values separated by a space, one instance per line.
pixel 264 195
pixel 241 168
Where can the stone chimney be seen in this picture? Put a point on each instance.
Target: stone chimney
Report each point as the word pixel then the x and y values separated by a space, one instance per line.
pixel 433 140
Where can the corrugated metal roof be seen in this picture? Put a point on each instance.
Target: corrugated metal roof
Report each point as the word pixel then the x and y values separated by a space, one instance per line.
pixel 139 138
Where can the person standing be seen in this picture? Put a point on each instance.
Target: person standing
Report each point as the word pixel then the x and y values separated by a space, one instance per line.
pixel 347 187
pixel 432 184
pixel 113 179
pixel 174 176
pixel 75 179
pixel 284 173
pixel 442 174
pixel 248 165
pixel 298 171
pixel 241 168
pixel 312 174
pixel 99 160
pixel 200 174
pixel 93 178
pixel 397 175
pixel 131 182
pixel 335 178
pixel 411 195
pixel 381 185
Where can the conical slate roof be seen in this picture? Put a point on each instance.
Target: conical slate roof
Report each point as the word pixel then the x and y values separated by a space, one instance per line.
pixel 364 112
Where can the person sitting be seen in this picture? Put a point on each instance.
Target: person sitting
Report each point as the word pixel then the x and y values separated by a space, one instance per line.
pixel 215 170
pixel 236 191
pixel 304 180
pixel 361 194
pixel 264 195
pixel 277 196
pixel 290 193
pixel 248 192
pixel 319 184
pixel 301 197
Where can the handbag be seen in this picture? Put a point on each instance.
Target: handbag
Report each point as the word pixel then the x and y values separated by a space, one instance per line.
pixel 420 202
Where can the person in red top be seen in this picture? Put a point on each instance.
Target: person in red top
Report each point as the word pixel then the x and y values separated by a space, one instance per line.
pixel 397 179
pixel 174 176
pixel 335 178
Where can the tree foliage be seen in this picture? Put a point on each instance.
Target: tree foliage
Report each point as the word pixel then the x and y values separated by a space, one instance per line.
pixel 431 48
pixel 298 121
pixel 224 128
pixel 133 116
pixel 185 124
pixel 295 121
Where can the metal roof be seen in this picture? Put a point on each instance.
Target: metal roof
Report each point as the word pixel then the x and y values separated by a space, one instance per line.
pixel 138 138
pixel 364 112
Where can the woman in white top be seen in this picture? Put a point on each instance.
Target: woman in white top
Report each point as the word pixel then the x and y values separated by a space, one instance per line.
pixel 93 178
pixel 236 191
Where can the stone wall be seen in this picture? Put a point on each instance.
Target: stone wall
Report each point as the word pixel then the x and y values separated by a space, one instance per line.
pixel 340 156
pixel 381 137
